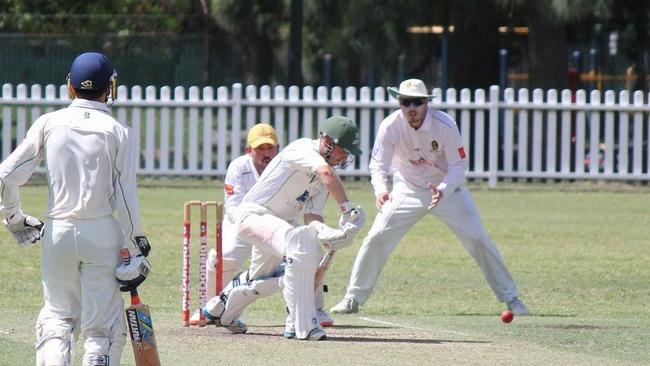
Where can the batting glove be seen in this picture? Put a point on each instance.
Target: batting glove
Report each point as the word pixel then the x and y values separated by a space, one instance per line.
pixel 27 230
pixel 133 271
pixel 331 238
pixel 355 216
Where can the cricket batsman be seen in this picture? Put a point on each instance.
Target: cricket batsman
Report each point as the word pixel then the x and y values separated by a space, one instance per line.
pixel 90 161
pixel 298 180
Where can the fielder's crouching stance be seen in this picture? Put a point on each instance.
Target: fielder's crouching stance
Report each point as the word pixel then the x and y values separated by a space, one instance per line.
pixel 298 180
pixel 90 162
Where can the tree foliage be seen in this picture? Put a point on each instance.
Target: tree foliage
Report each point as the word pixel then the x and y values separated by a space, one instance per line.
pixel 363 42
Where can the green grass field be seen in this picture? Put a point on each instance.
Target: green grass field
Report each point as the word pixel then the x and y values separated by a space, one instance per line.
pixel 580 254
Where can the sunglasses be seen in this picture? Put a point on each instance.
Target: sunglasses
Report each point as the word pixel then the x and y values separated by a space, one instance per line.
pixel 408 101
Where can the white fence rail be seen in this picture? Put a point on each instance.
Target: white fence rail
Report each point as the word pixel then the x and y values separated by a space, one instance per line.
pixel 197 132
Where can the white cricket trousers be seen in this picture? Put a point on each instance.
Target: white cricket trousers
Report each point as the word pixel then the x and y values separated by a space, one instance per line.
pixel 81 294
pixel 407 207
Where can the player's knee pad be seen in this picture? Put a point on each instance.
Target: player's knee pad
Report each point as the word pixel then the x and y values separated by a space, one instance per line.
pixel 105 347
pixel 303 247
pixel 55 340
pixel 97 360
pixel 245 294
pixel 216 305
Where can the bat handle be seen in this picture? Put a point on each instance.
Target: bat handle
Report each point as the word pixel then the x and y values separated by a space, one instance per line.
pixel 126 259
pixel 135 298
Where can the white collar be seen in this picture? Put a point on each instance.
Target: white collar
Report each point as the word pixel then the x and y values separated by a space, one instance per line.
pixel 85 103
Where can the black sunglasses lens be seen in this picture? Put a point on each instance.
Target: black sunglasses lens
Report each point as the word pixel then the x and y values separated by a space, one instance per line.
pixel 416 102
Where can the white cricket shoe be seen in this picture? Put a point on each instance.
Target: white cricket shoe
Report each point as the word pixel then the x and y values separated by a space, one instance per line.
pixel 324 319
pixel 237 326
pixel 315 334
pixel 517 307
pixel 347 306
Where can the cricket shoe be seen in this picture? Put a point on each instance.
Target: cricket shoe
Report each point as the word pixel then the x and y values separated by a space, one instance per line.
pixel 324 319
pixel 315 334
pixel 289 328
pixel 237 326
pixel 195 319
pixel 517 307
pixel 347 306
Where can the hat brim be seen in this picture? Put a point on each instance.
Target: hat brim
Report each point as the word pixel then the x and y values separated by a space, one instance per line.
pixel 261 141
pixel 394 92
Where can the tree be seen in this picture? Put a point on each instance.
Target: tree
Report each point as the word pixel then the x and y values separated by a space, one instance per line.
pixel 257 28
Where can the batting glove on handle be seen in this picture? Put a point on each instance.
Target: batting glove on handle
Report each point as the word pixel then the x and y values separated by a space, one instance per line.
pixel 333 239
pixel 355 216
pixel 27 230
pixel 133 270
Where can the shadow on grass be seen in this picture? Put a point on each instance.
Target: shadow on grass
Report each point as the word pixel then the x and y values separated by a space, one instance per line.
pixel 400 340
pixel 370 339
pixel 346 326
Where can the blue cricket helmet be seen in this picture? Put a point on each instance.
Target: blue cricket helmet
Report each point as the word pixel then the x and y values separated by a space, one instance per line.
pixel 91 71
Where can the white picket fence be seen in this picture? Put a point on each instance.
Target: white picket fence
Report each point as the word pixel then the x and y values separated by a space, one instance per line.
pixel 194 132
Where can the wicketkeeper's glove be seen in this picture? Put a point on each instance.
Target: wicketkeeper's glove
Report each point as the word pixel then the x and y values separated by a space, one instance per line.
pixel 27 230
pixel 135 267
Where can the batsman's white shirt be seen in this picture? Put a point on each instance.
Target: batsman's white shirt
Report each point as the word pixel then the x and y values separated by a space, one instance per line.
pixel 431 154
pixel 89 163
pixel 289 187
pixel 91 170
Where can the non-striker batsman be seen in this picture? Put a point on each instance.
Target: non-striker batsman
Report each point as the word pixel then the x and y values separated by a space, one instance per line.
pixel 90 161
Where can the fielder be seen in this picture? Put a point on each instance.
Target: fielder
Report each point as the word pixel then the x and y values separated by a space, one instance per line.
pixel 423 148
pixel 90 161
pixel 298 180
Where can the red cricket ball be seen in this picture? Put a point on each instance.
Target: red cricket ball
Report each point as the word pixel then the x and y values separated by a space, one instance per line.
pixel 507 316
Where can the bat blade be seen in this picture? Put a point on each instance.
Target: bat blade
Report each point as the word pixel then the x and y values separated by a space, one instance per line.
pixel 143 340
pixel 324 265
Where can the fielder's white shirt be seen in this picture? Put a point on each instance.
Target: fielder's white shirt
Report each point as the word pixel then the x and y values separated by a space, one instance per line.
pixel 431 154
pixel 288 186
pixel 90 162
pixel 240 178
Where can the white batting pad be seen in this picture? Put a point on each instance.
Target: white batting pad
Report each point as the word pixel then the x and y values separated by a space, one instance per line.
pixel 244 294
pixel 54 342
pixel 303 256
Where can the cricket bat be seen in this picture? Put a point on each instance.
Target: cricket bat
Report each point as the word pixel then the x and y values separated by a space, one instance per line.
pixel 138 317
pixel 323 266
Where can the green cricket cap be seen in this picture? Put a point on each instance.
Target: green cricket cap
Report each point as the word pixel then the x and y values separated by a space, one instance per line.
pixel 343 133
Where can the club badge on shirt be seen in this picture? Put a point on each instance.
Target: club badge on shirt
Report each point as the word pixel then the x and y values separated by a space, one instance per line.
pixel 461 152
pixel 229 189
pixel 434 145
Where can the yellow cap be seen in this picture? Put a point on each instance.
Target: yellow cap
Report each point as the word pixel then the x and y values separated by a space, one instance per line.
pixel 260 134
